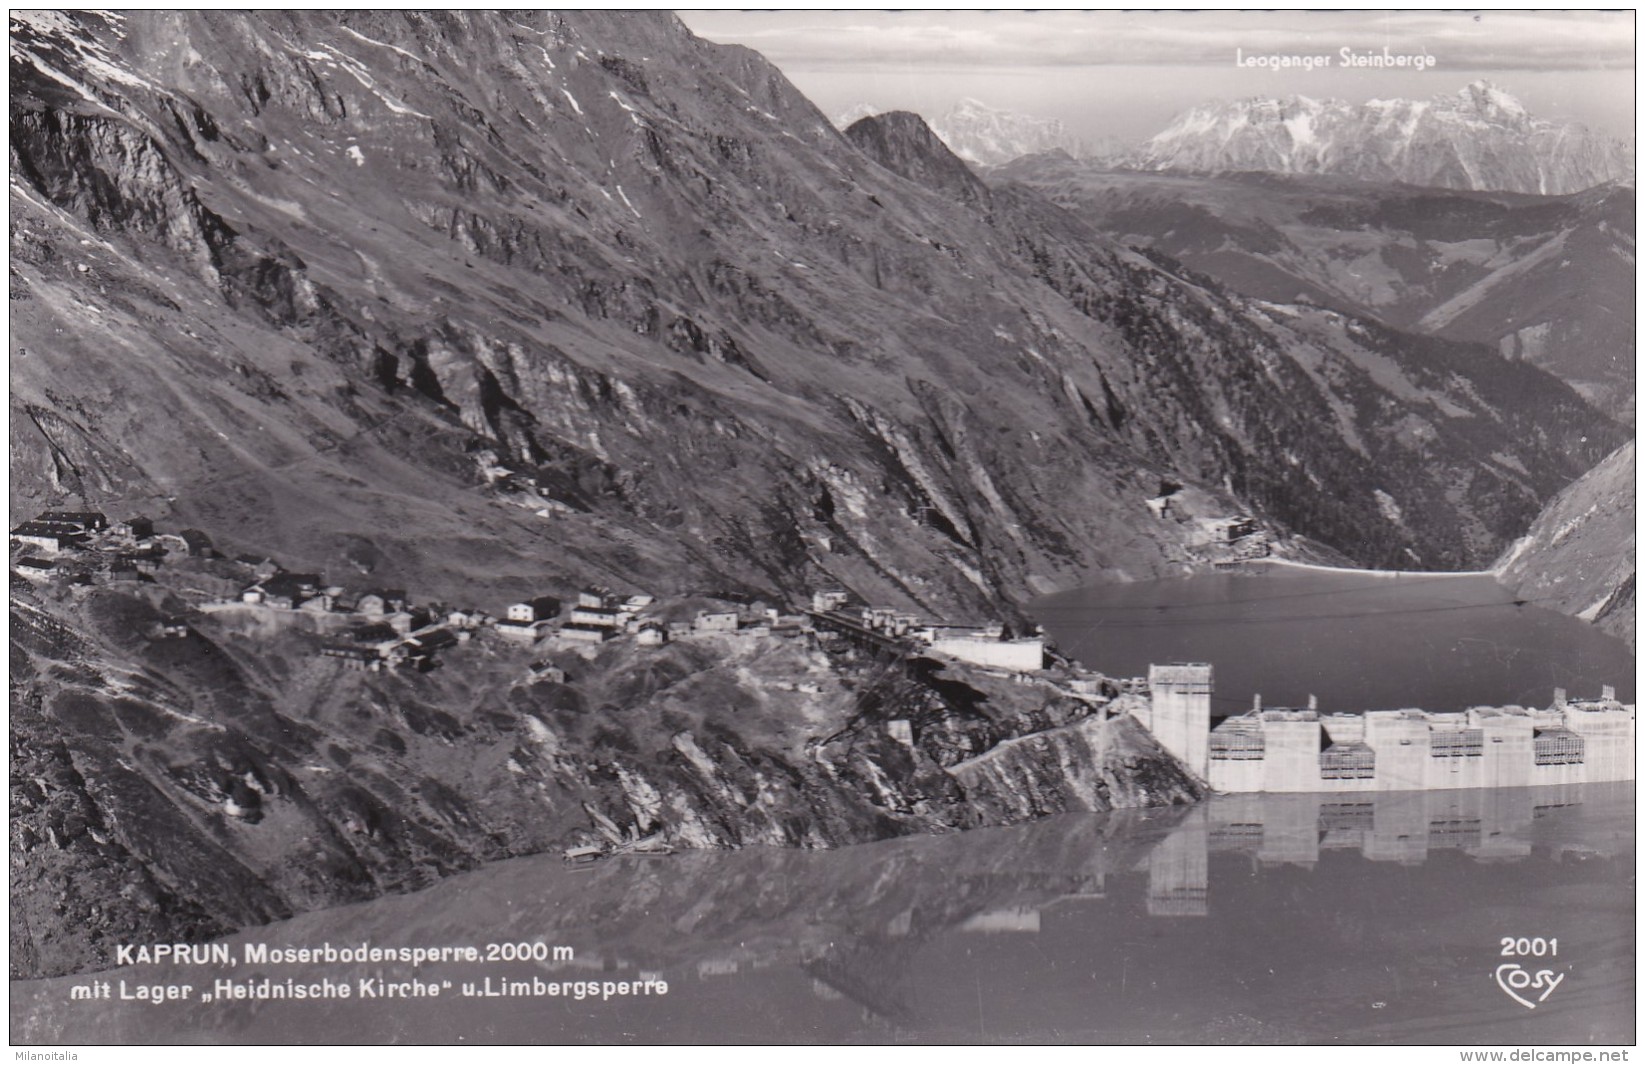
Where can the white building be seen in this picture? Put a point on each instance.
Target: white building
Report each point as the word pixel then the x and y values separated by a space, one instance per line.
pixel 824 601
pixel 544 606
pixel 721 621
pixel 1018 656
pixel 600 617
pixel 575 633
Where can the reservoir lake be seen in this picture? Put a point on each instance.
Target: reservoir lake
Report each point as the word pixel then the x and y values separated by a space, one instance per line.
pixel 1358 640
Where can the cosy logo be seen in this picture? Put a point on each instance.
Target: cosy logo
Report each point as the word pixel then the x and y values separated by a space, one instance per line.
pixel 1514 978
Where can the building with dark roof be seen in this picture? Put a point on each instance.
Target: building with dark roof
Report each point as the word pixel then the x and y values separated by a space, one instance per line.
pixel 435 639
pixel 51 535
pixel 86 520
pixel 293 586
pixel 134 528
pixel 585 633
pixel 199 544
pixel 544 606
pixel 600 616
pixel 353 657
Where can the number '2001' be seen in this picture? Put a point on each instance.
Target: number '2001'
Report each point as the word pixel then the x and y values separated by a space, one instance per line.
pixel 1533 948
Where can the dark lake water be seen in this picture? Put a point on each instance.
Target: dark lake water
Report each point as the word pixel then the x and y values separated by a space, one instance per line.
pixel 1245 919
pixel 1359 641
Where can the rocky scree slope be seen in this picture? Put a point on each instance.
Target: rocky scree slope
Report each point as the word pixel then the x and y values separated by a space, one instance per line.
pixel 1579 555
pixel 643 271
pixel 1380 386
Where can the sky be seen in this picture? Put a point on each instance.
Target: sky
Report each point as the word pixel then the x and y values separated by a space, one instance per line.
pixel 1124 75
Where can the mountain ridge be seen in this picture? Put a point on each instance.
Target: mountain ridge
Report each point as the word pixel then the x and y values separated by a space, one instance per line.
pixel 985 136
pixel 1545 279
pixel 737 315
pixel 1479 138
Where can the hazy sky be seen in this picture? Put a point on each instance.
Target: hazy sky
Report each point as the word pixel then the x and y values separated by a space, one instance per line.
pixel 1125 74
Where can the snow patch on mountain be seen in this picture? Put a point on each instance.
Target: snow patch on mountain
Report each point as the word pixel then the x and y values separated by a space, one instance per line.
pixel 984 135
pixel 1480 138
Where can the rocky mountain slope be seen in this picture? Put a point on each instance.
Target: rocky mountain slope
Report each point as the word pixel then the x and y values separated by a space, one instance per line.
pixel 988 136
pixel 1478 138
pixel 177 788
pixel 1579 555
pixel 644 272
pixel 1545 279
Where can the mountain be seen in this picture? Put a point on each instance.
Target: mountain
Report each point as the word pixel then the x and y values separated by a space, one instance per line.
pixel 1478 138
pixel 1549 279
pixel 902 143
pixel 643 271
pixel 855 113
pixel 988 136
pixel 486 306
pixel 1578 557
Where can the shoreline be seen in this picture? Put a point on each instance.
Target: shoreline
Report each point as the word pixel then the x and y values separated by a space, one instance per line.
pixel 1293 564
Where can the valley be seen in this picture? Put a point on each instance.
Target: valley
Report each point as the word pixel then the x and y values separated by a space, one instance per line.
pixel 1543 279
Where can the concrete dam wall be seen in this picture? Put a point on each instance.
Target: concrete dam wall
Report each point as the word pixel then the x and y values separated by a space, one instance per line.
pixel 1575 741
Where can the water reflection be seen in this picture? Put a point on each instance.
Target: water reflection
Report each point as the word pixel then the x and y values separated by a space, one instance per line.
pixel 1247 918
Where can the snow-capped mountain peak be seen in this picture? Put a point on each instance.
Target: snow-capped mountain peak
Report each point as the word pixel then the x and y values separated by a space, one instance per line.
pixel 1480 137
pixel 985 135
pixel 1492 102
pixel 854 114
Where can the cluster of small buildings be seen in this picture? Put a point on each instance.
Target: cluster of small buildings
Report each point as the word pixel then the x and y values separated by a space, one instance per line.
pixel 84 543
pixel 379 647
pixel 756 624
pixel 393 631
pixel 1225 541
pixel 598 616
pixel 595 617
pixel 61 530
